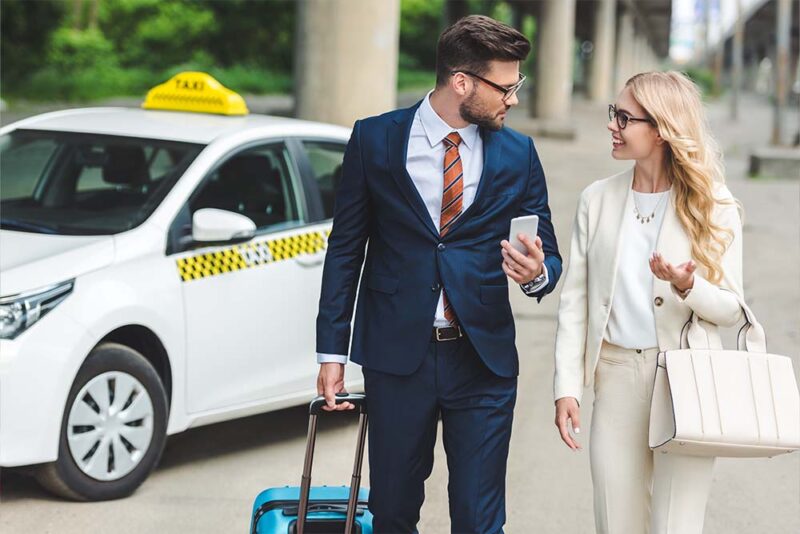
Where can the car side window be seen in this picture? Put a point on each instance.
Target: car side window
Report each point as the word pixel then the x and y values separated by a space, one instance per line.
pixel 326 158
pixel 257 183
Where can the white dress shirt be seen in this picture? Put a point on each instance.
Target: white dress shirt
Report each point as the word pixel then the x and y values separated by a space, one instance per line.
pixel 632 320
pixel 425 166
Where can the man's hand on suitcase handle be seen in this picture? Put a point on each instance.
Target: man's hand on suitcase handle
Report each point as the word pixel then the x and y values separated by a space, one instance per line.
pixel 330 382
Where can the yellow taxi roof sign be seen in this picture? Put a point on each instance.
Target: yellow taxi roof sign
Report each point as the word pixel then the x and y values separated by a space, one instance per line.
pixel 195 91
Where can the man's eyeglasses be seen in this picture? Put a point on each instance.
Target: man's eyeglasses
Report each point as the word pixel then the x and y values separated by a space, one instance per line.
pixel 623 118
pixel 508 92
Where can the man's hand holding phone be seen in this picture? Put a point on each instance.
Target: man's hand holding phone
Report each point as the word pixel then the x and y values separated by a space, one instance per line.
pixel 523 267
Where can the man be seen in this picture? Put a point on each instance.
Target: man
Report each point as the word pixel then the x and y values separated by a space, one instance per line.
pixel 433 189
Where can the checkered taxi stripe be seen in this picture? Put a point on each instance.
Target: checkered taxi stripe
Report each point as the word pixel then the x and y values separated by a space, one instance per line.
pixel 250 255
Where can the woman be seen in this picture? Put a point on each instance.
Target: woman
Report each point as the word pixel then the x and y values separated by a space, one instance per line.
pixel 649 247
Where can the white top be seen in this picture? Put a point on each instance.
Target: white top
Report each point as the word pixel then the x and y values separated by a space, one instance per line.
pixel 632 322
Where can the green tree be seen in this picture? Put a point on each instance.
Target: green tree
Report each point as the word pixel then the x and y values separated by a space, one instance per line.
pixel 73 50
pixel 156 34
pixel 25 29
pixel 421 21
pixel 253 33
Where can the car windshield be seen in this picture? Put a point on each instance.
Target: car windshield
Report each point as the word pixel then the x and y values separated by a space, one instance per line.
pixel 85 184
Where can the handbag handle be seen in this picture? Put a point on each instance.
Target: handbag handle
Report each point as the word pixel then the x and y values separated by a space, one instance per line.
pixel 751 336
pixel 699 334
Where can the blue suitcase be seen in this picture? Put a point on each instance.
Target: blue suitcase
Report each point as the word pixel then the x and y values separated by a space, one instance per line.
pixel 321 509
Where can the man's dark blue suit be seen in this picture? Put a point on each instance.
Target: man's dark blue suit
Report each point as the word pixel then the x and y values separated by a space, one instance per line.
pixel 381 223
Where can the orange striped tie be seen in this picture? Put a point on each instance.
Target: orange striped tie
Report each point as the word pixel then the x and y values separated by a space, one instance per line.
pixel 452 199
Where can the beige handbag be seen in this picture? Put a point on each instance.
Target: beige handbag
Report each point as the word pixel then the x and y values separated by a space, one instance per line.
pixel 713 402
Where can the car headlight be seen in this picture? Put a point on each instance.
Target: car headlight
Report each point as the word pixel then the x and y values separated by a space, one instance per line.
pixel 19 312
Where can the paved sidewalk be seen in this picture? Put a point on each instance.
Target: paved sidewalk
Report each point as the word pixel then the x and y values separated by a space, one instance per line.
pixel 209 475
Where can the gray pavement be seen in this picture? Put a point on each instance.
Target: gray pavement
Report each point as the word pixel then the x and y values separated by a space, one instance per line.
pixel 209 476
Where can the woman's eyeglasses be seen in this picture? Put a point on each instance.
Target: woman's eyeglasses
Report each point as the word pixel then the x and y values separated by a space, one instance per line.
pixel 623 118
pixel 508 92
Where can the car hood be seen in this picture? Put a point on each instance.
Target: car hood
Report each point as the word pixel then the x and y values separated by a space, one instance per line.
pixel 29 261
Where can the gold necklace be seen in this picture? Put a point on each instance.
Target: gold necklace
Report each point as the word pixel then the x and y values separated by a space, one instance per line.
pixel 643 219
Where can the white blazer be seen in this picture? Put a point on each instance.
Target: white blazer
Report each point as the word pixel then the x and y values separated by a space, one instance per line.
pixel 591 275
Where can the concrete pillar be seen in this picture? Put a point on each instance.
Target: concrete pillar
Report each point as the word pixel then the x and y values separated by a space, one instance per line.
pixel 602 62
pixel 751 66
pixel 718 60
pixel 554 59
pixel 346 63
pixel 652 62
pixel 641 48
pixel 738 60
pixel 783 23
pixel 625 45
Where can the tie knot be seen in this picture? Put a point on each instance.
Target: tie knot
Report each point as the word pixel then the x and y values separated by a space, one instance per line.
pixel 453 139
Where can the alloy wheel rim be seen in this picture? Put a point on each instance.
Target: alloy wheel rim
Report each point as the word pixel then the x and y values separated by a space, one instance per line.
pixel 110 426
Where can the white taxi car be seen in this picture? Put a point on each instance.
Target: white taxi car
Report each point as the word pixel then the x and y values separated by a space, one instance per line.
pixel 160 269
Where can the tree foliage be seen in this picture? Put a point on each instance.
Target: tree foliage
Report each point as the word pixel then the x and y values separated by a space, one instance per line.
pixel 25 28
pixel 85 49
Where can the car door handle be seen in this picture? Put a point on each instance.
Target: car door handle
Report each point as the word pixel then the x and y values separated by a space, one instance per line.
pixel 311 260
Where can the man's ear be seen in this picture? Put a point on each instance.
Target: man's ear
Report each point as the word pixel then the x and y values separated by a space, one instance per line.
pixel 459 83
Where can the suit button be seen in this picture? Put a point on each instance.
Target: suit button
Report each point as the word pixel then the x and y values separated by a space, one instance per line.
pixel 435 287
pixel 658 301
pixel 441 246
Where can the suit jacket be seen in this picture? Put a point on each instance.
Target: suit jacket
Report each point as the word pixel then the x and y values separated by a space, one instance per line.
pixel 407 263
pixel 594 266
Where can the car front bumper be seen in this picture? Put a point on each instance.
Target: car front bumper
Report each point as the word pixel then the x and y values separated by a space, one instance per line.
pixel 36 372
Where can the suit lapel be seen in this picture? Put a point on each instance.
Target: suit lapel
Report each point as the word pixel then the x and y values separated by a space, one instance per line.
pixel 398 135
pixel 492 148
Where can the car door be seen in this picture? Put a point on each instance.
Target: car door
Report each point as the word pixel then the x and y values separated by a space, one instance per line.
pixel 250 308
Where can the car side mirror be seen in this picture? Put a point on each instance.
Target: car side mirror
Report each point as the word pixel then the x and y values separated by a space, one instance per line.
pixel 211 225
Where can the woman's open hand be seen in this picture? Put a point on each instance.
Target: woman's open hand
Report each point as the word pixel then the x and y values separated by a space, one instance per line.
pixel 681 276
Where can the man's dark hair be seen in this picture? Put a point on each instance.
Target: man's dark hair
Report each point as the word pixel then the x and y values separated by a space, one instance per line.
pixel 472 42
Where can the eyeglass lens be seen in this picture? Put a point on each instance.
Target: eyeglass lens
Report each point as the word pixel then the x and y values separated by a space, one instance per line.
pixel 622 118
pixel 513 90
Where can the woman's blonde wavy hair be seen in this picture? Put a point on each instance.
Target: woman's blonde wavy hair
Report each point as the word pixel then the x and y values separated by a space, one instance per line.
pixel 692 157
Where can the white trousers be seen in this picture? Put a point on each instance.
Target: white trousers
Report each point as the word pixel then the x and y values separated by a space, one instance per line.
pixel 637 490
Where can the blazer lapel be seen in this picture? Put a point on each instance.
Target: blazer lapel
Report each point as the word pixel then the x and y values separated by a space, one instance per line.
pixel 398 135
pixel 492 149
pixel 617 206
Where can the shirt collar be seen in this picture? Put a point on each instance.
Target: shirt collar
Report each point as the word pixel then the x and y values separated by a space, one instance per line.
pixel 436 129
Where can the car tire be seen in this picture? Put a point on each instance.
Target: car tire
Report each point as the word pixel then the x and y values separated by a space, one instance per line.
pixel 108 446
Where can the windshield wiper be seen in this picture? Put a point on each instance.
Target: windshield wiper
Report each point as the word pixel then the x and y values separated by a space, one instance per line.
pixel 25 226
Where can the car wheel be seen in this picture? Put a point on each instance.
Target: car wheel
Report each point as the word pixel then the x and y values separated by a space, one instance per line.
pixel 113 429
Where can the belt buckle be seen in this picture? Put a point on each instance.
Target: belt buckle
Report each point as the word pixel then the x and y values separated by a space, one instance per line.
pixel 439 332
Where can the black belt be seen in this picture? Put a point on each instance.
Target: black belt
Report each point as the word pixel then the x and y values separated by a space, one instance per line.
pixel 446 333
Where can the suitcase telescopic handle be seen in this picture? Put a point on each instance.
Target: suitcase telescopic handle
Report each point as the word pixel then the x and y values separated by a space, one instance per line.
pixel 314 409
pixel 358 399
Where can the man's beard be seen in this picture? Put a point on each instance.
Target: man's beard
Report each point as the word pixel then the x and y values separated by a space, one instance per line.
pixel 471 111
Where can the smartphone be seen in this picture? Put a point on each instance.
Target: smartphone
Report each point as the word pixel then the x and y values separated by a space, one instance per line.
pixel 527 225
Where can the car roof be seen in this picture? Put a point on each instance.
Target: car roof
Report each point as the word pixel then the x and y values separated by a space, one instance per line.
pixel 201 128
